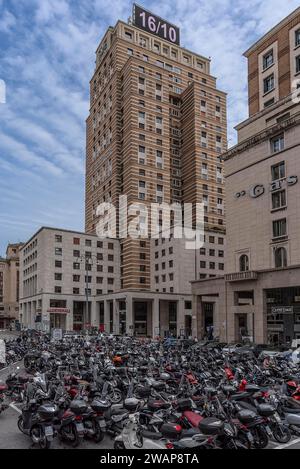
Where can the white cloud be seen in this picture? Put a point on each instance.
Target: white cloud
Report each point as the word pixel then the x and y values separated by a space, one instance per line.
pixel 7 22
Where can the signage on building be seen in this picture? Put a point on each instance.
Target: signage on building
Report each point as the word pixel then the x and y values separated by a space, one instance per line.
pixel 153 24
pixel 282 310
pixel 259 189
pixel 58 310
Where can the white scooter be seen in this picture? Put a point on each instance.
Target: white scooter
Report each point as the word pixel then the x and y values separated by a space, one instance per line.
pixel 133 438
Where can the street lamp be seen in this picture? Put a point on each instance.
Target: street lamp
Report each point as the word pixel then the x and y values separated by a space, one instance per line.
pixel 89 261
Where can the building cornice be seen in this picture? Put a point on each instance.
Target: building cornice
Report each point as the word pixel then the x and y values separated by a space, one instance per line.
pixel 261 137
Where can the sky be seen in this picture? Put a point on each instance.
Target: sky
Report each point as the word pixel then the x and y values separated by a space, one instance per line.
pixel 47 58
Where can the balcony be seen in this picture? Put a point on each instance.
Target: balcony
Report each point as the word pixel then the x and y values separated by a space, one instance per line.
pixel 241 276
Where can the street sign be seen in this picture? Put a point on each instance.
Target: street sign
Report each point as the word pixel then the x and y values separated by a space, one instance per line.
pixel 2 351
pixel 56 334
pixel 282 310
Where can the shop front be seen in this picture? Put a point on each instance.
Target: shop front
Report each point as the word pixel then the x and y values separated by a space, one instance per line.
pixel 283 315
pixel 81 318
pixel 57 315
pixel 58 318
pixel 140 319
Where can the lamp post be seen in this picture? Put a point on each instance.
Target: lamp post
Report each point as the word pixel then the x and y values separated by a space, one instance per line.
pixel 89 260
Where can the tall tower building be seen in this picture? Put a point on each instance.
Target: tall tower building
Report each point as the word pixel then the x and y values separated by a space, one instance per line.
pixel 155 133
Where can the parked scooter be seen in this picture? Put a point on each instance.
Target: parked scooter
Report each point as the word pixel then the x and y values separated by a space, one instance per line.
pixel 37 421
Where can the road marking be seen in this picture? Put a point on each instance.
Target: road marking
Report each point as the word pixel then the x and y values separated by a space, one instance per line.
pixel 287 445
pixel 15 408
pixel 12 365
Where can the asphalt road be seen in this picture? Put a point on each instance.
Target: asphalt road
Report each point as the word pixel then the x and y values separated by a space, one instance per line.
pixel 4 334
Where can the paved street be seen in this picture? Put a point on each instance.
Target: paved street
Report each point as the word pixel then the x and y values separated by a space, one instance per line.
pixel 6 335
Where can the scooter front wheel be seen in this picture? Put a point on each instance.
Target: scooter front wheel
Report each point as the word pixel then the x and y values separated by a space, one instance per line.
pixel 38 437
pixel 282 434
pixel 21 424
pixel 70 435
pixel 261 439
pixel 119 445
pixel 99 435
pixel 116 396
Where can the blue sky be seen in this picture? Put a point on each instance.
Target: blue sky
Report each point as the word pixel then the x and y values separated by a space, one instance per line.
pixel 47 59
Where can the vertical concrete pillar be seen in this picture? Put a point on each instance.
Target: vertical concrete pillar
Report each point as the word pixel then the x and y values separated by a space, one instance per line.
pixel 94 314
pixel 194 317
pixel 155 317
pixel 69 318
pixel 180 316
pixel 260 324
pixel 25 321
pixel 116 317
pixel 106 316
pixel 231 317
pixel 129 316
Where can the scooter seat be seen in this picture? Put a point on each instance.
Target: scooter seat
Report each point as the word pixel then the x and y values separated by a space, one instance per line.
pixel 151 435
pixel 288 410
pixel 118 410
pixel 240 396
pixel 190 433
pixel 193 418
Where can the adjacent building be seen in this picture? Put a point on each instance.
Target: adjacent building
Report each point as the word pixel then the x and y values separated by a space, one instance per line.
pixel 9 286
pixel 259 295
pixel 61 272
pixel 71 281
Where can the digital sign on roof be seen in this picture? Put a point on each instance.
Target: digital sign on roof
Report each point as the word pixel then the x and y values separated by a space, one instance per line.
pixel 153 24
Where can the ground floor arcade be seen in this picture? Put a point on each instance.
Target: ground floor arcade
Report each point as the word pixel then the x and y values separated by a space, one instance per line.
pixel 132 313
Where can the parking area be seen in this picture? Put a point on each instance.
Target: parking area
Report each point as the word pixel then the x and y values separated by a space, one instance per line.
pixel 12 438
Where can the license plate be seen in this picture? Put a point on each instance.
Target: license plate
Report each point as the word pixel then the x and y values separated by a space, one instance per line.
pixel 80 427
pixel 48 431
pixel 250 437
pixel 102 424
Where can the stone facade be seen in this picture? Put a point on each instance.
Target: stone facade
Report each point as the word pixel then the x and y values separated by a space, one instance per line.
pixel 9 286
pixel 259 295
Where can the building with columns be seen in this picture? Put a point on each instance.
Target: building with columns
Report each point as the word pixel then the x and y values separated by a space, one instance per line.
pixel 59 269
pixel 259 295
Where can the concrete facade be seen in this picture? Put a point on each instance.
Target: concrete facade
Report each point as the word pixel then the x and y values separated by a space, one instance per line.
pixel 259 294
pixel 54 280
pixel 57 267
